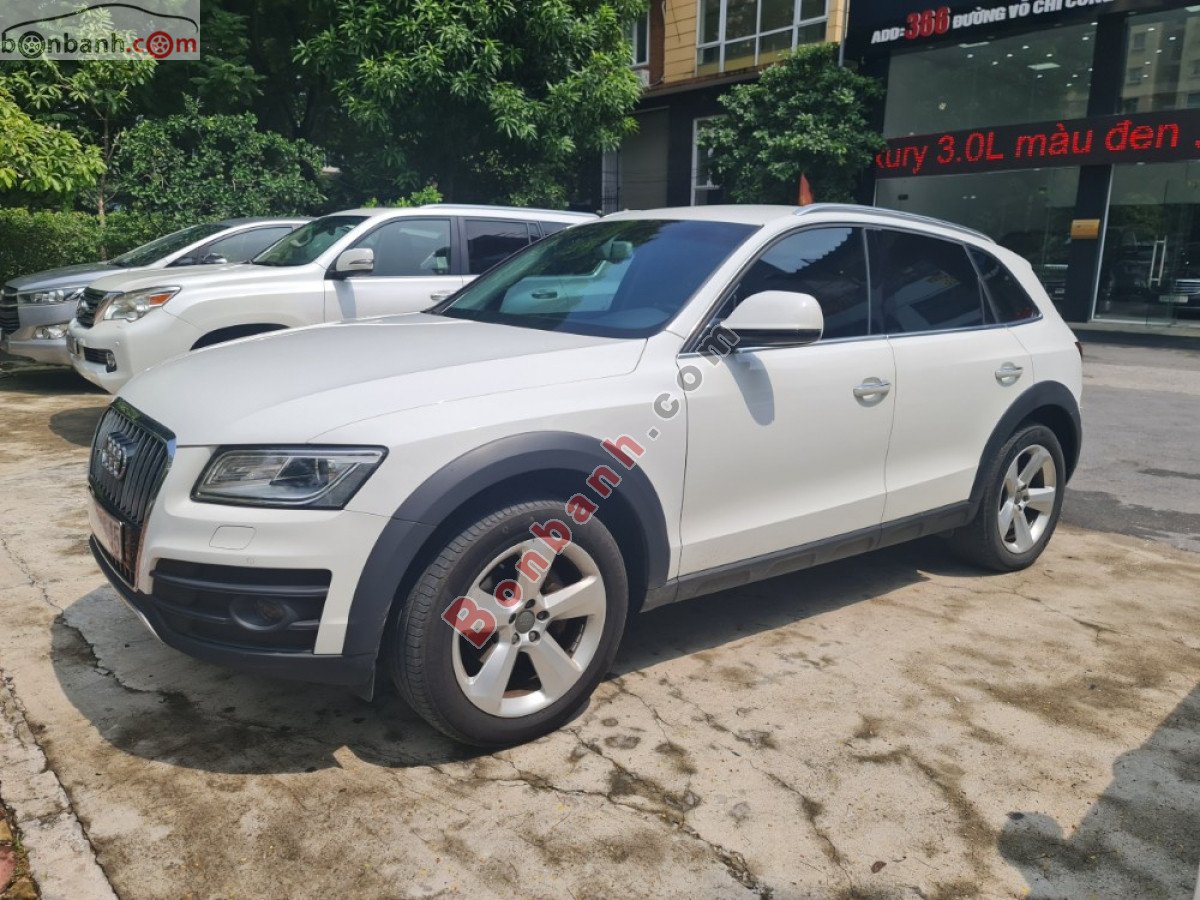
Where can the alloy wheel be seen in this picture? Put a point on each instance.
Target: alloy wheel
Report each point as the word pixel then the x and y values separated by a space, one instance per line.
pixel 542 644
pixel 1027 499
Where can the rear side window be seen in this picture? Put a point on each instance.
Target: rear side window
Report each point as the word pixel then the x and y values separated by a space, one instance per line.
pixel 489 242
pixel 549 228
pixel 828 263
pixel 1007 300
pixel 928 284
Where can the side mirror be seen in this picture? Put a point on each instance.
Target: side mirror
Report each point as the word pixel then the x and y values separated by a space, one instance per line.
pixel 777 319
pixel 356 261
pixel 617 251
pixel 213 259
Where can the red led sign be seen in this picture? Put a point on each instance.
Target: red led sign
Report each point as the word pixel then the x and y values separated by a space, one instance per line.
pixel 1150 137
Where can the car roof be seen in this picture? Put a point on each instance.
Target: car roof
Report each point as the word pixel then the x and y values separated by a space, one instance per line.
pixel 752 214
pixel 264 220
pixel 503 212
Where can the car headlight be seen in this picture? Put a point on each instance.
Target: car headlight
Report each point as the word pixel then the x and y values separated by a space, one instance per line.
pixel 135 304
pixel 309 477
pixel 57 295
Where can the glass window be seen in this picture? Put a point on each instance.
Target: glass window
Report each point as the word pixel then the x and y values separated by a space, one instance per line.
pixel 308 241
pixel 490 242
pixel 409 247
pixel 549 228
pixel 1036 77
pixel 637 33
pixel 1006 299
pixel 928 284
pixel 1162 54
pixel 1028 212
pixel 238 248
pixel 152 252
pixel 828 263
pixel 704 191
pixel 614 278
pixel 739 34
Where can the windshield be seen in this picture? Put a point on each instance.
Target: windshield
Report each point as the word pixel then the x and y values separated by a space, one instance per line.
pixel 307 242
pixel 620 278
pixel 150 253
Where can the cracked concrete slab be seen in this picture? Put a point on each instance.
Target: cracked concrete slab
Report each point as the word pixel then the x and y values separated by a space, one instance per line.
pixel 892 726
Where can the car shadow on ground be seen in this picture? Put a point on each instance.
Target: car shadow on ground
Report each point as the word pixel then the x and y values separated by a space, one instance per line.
pixel 1138 839
pixel 151 701
pixel 19 376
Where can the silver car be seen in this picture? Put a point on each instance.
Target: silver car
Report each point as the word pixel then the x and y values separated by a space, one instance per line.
pixel 35 309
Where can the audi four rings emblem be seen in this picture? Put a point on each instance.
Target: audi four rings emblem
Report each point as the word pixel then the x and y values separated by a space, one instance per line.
pixel 114 457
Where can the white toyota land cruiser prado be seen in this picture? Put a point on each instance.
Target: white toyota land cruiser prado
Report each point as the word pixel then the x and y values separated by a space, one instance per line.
pixel 471 501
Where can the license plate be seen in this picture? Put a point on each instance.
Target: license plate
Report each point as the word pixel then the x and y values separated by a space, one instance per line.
pixel 108 531
pixel 1180 299
pixel 72 346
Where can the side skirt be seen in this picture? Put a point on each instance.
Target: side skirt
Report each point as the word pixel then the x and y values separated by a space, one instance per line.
pixel 794 559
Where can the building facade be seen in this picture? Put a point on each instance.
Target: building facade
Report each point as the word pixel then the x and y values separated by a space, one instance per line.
pixel 687 52
pixel 1069 130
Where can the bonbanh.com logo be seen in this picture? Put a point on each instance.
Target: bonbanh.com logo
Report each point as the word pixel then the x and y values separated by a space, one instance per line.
pixel 70 29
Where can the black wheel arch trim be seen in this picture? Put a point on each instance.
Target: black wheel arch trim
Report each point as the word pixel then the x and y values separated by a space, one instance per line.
pixel 1040 395
pixel 471 474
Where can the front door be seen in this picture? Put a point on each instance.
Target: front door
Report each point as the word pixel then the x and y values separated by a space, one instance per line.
pixel 413 266
pixel 787 446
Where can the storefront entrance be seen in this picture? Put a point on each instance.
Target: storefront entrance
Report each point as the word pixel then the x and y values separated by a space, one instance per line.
pixel 1150 265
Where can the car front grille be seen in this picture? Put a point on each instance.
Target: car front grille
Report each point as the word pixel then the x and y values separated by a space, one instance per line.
pixel 85 314
pixel 1187 285
pixel 129 493
pixel 10 321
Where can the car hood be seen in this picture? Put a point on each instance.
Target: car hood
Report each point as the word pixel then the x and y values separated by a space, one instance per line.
pixel 291 386
pixel 78 275
pixel 206 276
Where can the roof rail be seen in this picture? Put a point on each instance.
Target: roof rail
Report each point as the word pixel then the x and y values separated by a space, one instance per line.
pixel 892 214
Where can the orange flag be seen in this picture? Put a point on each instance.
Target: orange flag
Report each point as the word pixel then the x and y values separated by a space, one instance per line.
pixel 806 197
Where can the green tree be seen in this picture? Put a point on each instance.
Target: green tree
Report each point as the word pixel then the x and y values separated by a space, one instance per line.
pixel 192 167
pixel 487 99
pixel 93 99
pixel 40 159
pixel 804 116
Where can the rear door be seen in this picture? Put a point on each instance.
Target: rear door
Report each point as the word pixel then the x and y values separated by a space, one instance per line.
pixel 957 371
pixel 414 268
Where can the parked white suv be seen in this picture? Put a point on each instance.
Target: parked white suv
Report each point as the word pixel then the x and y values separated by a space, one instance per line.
pixel 632 412
pixel 349 265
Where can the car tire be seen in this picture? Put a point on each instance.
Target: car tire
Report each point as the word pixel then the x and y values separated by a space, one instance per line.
pixel 549 649
pixel 1021 503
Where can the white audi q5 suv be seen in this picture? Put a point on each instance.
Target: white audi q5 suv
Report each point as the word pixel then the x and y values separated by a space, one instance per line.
pixel 470 501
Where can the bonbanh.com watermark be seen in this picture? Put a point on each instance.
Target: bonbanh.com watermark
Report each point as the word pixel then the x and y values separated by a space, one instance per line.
pixel 84 29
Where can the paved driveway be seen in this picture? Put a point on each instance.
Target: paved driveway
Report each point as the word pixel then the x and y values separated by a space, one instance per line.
pixel 891 726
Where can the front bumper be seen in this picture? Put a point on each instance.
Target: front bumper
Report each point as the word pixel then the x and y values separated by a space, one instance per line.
pixel 134 346
pixel 356 671
pixel 21 343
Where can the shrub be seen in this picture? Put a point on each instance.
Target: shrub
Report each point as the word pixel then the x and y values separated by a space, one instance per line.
pixel 33 241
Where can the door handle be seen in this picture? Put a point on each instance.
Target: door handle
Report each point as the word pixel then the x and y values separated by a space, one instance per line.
pixel 872 388
pixel 1009 373
pixel 439 296
pixel 544 295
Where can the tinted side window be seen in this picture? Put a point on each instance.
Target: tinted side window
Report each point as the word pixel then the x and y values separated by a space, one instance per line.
pixel 257 240
pixel 928 284
pixel 407 247
pixel 549 228
pixel 828 263
pixel 1008 300
pixel 490 242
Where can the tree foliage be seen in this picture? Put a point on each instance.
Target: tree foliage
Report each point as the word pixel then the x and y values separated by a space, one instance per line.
pixel 803 116
pixel 194 167
pixel 39 159
pixel 489 99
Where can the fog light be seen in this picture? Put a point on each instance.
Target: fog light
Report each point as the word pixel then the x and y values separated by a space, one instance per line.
pixel 49 332
pixel 110 361
pixel 262 613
